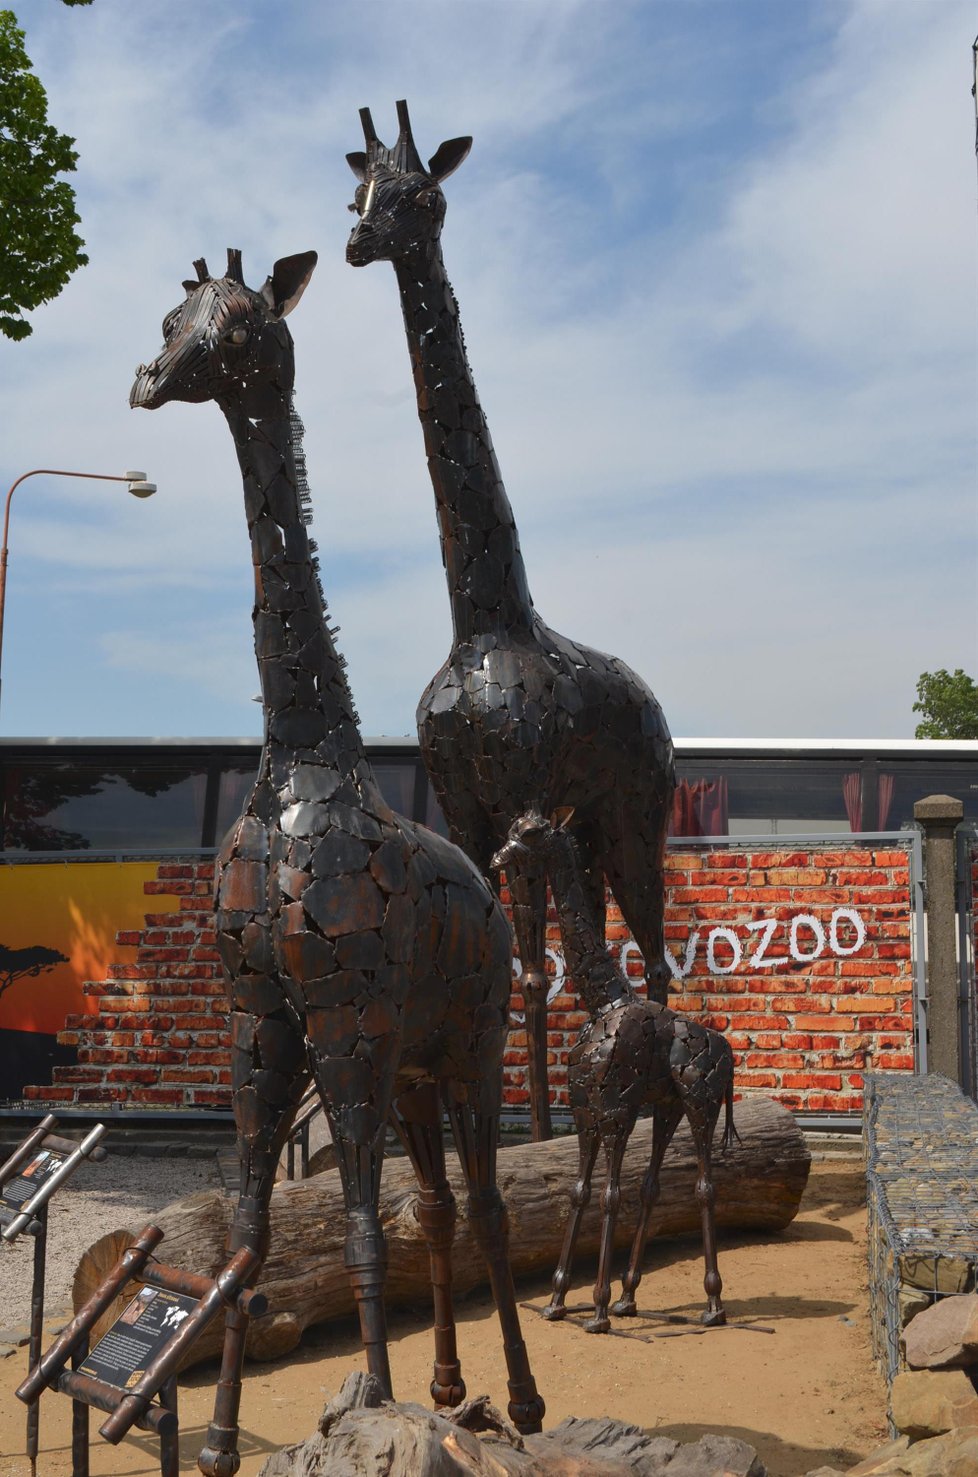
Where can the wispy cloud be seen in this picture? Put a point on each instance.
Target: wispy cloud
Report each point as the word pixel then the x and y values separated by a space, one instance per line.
pixel 714 270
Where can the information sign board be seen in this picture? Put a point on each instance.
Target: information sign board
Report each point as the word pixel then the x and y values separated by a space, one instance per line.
pixel 25 1185
pixel 138 1336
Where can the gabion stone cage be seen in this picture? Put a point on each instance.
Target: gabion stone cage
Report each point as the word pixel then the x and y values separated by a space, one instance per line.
pixel 921 1140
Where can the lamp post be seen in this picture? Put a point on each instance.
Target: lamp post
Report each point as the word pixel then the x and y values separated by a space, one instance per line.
pixel 138 486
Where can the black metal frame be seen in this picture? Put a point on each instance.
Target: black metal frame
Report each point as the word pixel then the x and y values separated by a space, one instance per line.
pixel 33 1220
pixel 134 1407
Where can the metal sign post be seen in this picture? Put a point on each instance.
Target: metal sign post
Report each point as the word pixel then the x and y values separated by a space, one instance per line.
pixel 131 1371
pixel 28 1179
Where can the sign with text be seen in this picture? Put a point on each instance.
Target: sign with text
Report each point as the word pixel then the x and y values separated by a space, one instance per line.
pixel 138 1337
pixel 25 1185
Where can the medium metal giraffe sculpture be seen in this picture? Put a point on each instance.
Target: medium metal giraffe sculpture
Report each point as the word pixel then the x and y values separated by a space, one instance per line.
pixel 359 949
pixel 518 716
pixel 631 1054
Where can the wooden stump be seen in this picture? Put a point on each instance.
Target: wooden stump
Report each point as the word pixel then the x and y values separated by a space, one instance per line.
pixel 759 1184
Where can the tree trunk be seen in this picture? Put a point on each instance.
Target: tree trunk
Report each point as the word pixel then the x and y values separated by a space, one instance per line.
pixel 759 1184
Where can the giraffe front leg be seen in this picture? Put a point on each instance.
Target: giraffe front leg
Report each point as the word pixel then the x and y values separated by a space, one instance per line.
pixel 417 1118
pixel 356 1099
pixel 264 1100
pixel 476 1133
pixel 529 894
pixel 665 1121
pixel 614 1143
pixel 587 1151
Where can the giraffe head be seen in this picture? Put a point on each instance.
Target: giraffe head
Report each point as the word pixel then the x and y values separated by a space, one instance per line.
pixel 226 342
pixel 531 837
pixel 400 203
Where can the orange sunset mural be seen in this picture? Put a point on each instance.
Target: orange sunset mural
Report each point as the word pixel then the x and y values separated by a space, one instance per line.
pixel 58 927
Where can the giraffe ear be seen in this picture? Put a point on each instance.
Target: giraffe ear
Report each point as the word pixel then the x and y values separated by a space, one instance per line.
pixel 447 157
pixel 358 163
pixel 289 279
pixel 561 817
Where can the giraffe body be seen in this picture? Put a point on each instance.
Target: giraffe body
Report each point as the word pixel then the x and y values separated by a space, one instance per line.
pixel 632 1055
pixel 518 716
pixel 360 950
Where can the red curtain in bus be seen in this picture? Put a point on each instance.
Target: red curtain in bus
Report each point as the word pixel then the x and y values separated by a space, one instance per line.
pixel 852 795
pixel 885 800
pixel 700 808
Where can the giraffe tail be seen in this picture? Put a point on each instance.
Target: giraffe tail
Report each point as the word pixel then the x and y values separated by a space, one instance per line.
pixel 729 1127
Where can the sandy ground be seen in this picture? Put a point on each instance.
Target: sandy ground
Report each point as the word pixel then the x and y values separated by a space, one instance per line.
pixel 126 1190
pixel 804 1395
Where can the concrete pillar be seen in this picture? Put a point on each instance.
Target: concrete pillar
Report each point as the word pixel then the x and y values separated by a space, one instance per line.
pixel 939 815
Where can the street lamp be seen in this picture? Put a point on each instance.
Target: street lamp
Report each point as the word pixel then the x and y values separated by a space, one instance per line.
pixel 138 486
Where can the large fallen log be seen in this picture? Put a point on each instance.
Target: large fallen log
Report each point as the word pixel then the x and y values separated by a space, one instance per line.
pixel 759 1184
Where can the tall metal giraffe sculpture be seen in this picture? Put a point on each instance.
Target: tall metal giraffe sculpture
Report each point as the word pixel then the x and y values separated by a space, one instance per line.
pixel 359 949
pixel 518 716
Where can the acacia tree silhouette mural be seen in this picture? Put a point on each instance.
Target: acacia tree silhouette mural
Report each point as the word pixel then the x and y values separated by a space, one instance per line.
pixel 18 964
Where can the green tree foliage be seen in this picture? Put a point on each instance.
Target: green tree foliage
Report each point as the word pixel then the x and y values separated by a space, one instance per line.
pixel 949 703
pixel 39 247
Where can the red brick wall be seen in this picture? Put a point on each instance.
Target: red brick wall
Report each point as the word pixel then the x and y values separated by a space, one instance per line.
pixel 155 1035
pixel 803 1029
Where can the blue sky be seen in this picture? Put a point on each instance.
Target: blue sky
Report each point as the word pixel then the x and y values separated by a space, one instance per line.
pixel 715 267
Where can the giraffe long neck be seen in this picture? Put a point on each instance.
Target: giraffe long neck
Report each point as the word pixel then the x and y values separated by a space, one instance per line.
pixel 595 974
pixel 306 698
pixel 480 546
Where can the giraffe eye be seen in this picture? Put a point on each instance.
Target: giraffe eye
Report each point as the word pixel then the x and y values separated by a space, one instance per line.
pixel 238 336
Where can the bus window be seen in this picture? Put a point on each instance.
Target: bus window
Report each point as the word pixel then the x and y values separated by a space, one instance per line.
pixel 396 780
pixel 763 797
pixel 908 781
pixel 237 781
pixel 107 807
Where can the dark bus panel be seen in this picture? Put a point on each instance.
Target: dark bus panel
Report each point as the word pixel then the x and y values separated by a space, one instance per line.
pixel 125 795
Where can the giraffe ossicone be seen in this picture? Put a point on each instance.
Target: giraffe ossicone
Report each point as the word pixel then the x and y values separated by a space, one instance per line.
pixel 360 950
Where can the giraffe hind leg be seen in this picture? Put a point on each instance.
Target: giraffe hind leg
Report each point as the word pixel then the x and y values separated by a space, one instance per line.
pixel 634 866
pixel 587 1150
pixel 702 1089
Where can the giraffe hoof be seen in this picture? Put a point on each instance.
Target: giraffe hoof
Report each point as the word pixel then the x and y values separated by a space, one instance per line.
pixel 713 1318
pixel 597 1325
pixel 553 1312
pixel 215 1463
pixel 527 1415
pixel 447 1395
pixel 625 1307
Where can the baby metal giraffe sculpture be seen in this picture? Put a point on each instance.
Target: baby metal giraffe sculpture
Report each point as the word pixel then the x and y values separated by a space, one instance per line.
pixel 518 716
pixel 632 1054
pixel 359 948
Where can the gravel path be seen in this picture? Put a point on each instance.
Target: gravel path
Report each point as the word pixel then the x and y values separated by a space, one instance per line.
pixel 124 1192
